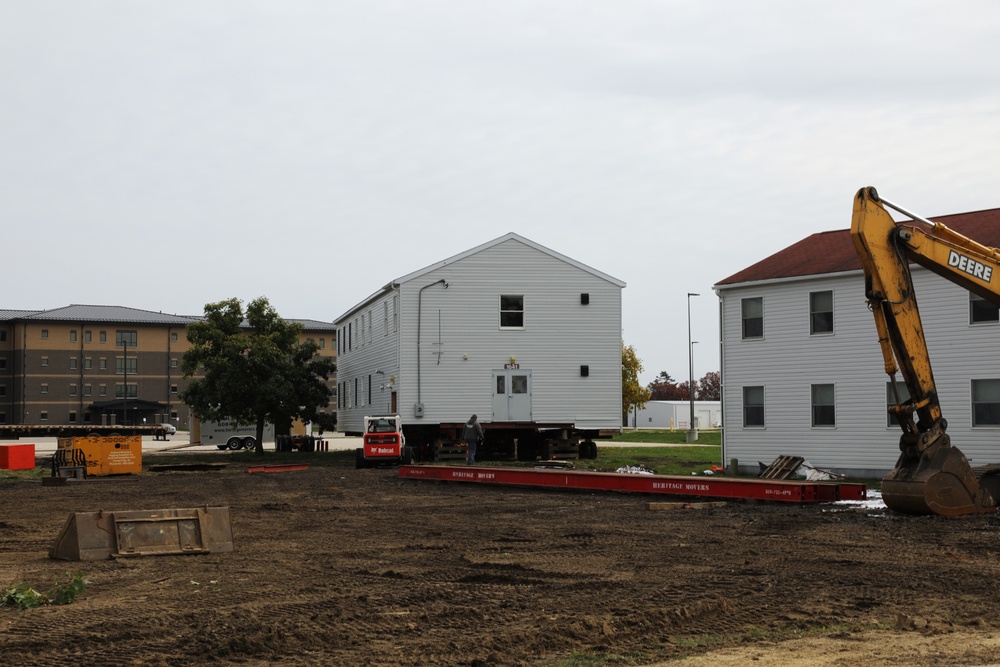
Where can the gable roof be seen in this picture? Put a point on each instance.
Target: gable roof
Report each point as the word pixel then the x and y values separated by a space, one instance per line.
pixel 472 251
pixel 833 252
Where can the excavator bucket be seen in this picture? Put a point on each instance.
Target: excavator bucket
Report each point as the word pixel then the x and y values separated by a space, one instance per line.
pixel 101 535
pixel 942 483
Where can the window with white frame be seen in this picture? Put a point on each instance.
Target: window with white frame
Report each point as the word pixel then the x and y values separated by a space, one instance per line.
pixel 986 402
pixel 981 310
pixel 752 315
pixel 511 311
pixel 821 312
pixel 753 406
pixel 824 409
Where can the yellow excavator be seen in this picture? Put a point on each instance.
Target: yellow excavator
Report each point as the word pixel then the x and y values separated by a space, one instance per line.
pixel 931 476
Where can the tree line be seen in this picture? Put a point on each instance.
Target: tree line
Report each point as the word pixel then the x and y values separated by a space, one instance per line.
pixel 664 387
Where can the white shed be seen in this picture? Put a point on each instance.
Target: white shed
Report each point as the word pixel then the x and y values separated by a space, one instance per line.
pixel 803 374
pixel 509 330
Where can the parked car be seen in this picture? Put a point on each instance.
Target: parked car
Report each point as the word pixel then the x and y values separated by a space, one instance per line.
pixel 169 428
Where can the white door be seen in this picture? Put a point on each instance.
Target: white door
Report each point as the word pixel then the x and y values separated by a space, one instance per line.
pixel 512 396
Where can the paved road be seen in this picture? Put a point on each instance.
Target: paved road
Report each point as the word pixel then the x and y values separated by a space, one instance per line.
pixel 179 443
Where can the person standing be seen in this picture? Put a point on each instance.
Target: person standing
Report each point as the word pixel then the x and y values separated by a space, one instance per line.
pixel 473 436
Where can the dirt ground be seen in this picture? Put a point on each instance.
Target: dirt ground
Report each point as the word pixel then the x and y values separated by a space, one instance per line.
pixel 337 566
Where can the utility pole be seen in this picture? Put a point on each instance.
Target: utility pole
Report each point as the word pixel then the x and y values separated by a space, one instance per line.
pixel 692 433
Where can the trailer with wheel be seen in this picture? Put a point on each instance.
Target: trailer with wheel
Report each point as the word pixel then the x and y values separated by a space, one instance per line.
pixel 228 434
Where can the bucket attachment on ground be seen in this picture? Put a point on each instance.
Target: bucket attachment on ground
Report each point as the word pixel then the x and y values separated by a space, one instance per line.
pixel 101 535
pixel 939 482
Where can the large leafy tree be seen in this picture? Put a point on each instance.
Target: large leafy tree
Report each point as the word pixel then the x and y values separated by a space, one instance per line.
pixel 710 387
pixel 255 368
pixel 664 388
pixel 633 393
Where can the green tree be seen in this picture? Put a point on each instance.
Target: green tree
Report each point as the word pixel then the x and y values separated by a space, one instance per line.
pixel 255 369
pixel 633 393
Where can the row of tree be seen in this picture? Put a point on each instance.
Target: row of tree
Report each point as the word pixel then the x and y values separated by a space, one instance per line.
pixel 664 387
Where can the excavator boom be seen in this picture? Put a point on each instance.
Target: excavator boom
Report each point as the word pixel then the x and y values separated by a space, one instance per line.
pixel 931 476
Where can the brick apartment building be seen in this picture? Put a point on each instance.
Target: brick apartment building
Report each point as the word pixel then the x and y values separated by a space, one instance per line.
pixel 102 365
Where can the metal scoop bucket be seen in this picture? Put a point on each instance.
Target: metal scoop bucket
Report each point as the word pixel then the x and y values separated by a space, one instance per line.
pixel 939 482
pixel 101 535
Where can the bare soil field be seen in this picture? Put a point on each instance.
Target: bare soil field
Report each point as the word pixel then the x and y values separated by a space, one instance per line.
pixel 337 566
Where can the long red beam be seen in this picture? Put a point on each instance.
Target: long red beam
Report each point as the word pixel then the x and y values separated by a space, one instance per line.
pixel 673 485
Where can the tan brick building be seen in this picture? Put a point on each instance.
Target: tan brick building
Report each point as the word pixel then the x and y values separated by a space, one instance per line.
pixel 102 365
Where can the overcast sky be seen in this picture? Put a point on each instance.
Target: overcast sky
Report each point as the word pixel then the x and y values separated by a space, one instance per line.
pixel 163 155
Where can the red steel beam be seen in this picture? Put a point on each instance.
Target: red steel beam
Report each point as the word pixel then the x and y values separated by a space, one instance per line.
pixel 672 485
pixel 278 467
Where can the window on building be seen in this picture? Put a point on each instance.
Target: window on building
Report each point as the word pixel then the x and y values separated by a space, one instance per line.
pixel 43 415
pixel 72 390
pixel 45 333
pixel 3 362
pixel 981 310
pixel 512 311
pixel 821 312
pixel 824 412
pixel 753 317
pixel 44 389
pixel 395 312
pixel 753 406
pixel 173 363
pixel 371 325
pixel 3 417
pixel 104 336
pixel 120 391
pixel 72 335
pixel 87 336
pixel 173 416
pixel 72 417
pixel 173 389
pixel 129 365
pixel 355 392
pixel 103 364
pixel 173 336
pixel 45 361
pixel 72 363
pixel 88 363
pixel 86 417
pixel 890 400
pixel 350 336
pixel 126 338
pixel 986 402
pixel 3 336
pixel 88 390
pixel 385 318
pixel 102 390
pixel 3 390
pixel 322 343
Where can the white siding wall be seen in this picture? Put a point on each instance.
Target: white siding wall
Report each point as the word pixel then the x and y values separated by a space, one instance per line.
pixel 363 359
pixel 788 360
pixel 559 336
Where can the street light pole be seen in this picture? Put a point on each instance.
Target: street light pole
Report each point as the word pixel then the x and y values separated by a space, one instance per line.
pixel 692 433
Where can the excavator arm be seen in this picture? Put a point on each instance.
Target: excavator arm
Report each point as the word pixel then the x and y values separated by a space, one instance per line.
pixel 931 476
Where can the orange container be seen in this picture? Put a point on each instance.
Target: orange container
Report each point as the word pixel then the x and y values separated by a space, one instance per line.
pixel 17 457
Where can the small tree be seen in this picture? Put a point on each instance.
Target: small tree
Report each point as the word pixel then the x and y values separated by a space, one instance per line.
pixel 633 393
pixel 255 372
pixel 710 387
